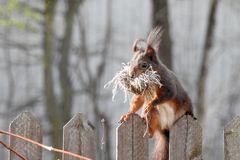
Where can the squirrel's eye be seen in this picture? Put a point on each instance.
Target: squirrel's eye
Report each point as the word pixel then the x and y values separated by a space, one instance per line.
pixel 144 65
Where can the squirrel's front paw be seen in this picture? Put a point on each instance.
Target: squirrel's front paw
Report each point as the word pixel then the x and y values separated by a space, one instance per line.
pixel 125 117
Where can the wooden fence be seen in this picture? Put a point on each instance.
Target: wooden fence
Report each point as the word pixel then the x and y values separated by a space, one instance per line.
pixel 79 137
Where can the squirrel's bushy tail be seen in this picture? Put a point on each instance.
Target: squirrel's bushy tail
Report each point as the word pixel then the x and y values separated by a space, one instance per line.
pixel 161 146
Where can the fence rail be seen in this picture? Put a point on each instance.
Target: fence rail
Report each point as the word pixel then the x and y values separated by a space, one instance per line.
pixel 79 137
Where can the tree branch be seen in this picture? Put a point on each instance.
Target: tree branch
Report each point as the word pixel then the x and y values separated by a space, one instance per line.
pixel 203 72
pixel 12 150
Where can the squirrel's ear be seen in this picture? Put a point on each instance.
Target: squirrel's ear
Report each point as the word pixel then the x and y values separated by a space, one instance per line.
pixel 136 46
pixel 150 51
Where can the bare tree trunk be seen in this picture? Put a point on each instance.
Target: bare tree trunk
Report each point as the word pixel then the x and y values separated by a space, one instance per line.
pixel 64 75
pixel 203 72
pixel 52 110
pixel 105 154
pixel 9 73
pixel 11 83
pixel 160 17
pixel 92 81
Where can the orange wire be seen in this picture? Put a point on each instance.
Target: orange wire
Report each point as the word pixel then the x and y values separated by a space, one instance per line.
pixel 44 146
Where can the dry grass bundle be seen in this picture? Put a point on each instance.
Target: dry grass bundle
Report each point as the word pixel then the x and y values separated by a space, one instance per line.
pixel 137 85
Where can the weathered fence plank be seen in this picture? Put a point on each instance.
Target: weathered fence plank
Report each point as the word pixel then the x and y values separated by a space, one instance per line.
pixel 131 145
pixel 185 140
pixel 79 137
pixel 27 126
pixel 232 140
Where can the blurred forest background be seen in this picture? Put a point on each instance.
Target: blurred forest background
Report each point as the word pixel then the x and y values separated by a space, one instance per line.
pixel 56 56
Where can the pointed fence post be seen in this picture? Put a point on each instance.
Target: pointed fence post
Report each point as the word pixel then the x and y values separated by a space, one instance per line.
pixel 131 145
pixel 27 126
pixel 79 137
pixel 232 140
pixel 185 140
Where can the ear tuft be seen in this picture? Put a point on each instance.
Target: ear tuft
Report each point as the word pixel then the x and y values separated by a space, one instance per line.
pixel 154 38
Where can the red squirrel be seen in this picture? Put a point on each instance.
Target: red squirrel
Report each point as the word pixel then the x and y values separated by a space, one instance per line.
pixel 164 104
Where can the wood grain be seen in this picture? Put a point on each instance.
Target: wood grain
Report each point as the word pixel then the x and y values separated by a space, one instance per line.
pixel 131 145
pixel 79 137
pixel 185 140
pixel 27 126
pixel 232 140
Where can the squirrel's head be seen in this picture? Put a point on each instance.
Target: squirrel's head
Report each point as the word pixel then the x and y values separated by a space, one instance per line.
pixel 145 53
pixel 144 56
pixel 140 74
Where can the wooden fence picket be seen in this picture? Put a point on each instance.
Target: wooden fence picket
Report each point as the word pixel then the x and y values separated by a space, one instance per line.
pixel 232 140
pixel 27 126
pixel 79 137
pixel 185 140
pixel 131 145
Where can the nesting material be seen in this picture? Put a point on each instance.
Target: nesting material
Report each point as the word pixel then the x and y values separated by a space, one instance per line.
pixel 123 81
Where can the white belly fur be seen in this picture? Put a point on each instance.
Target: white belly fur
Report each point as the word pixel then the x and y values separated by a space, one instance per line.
pixel 166 115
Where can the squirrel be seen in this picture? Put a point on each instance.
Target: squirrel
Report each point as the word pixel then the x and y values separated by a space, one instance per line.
pixel 165 104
